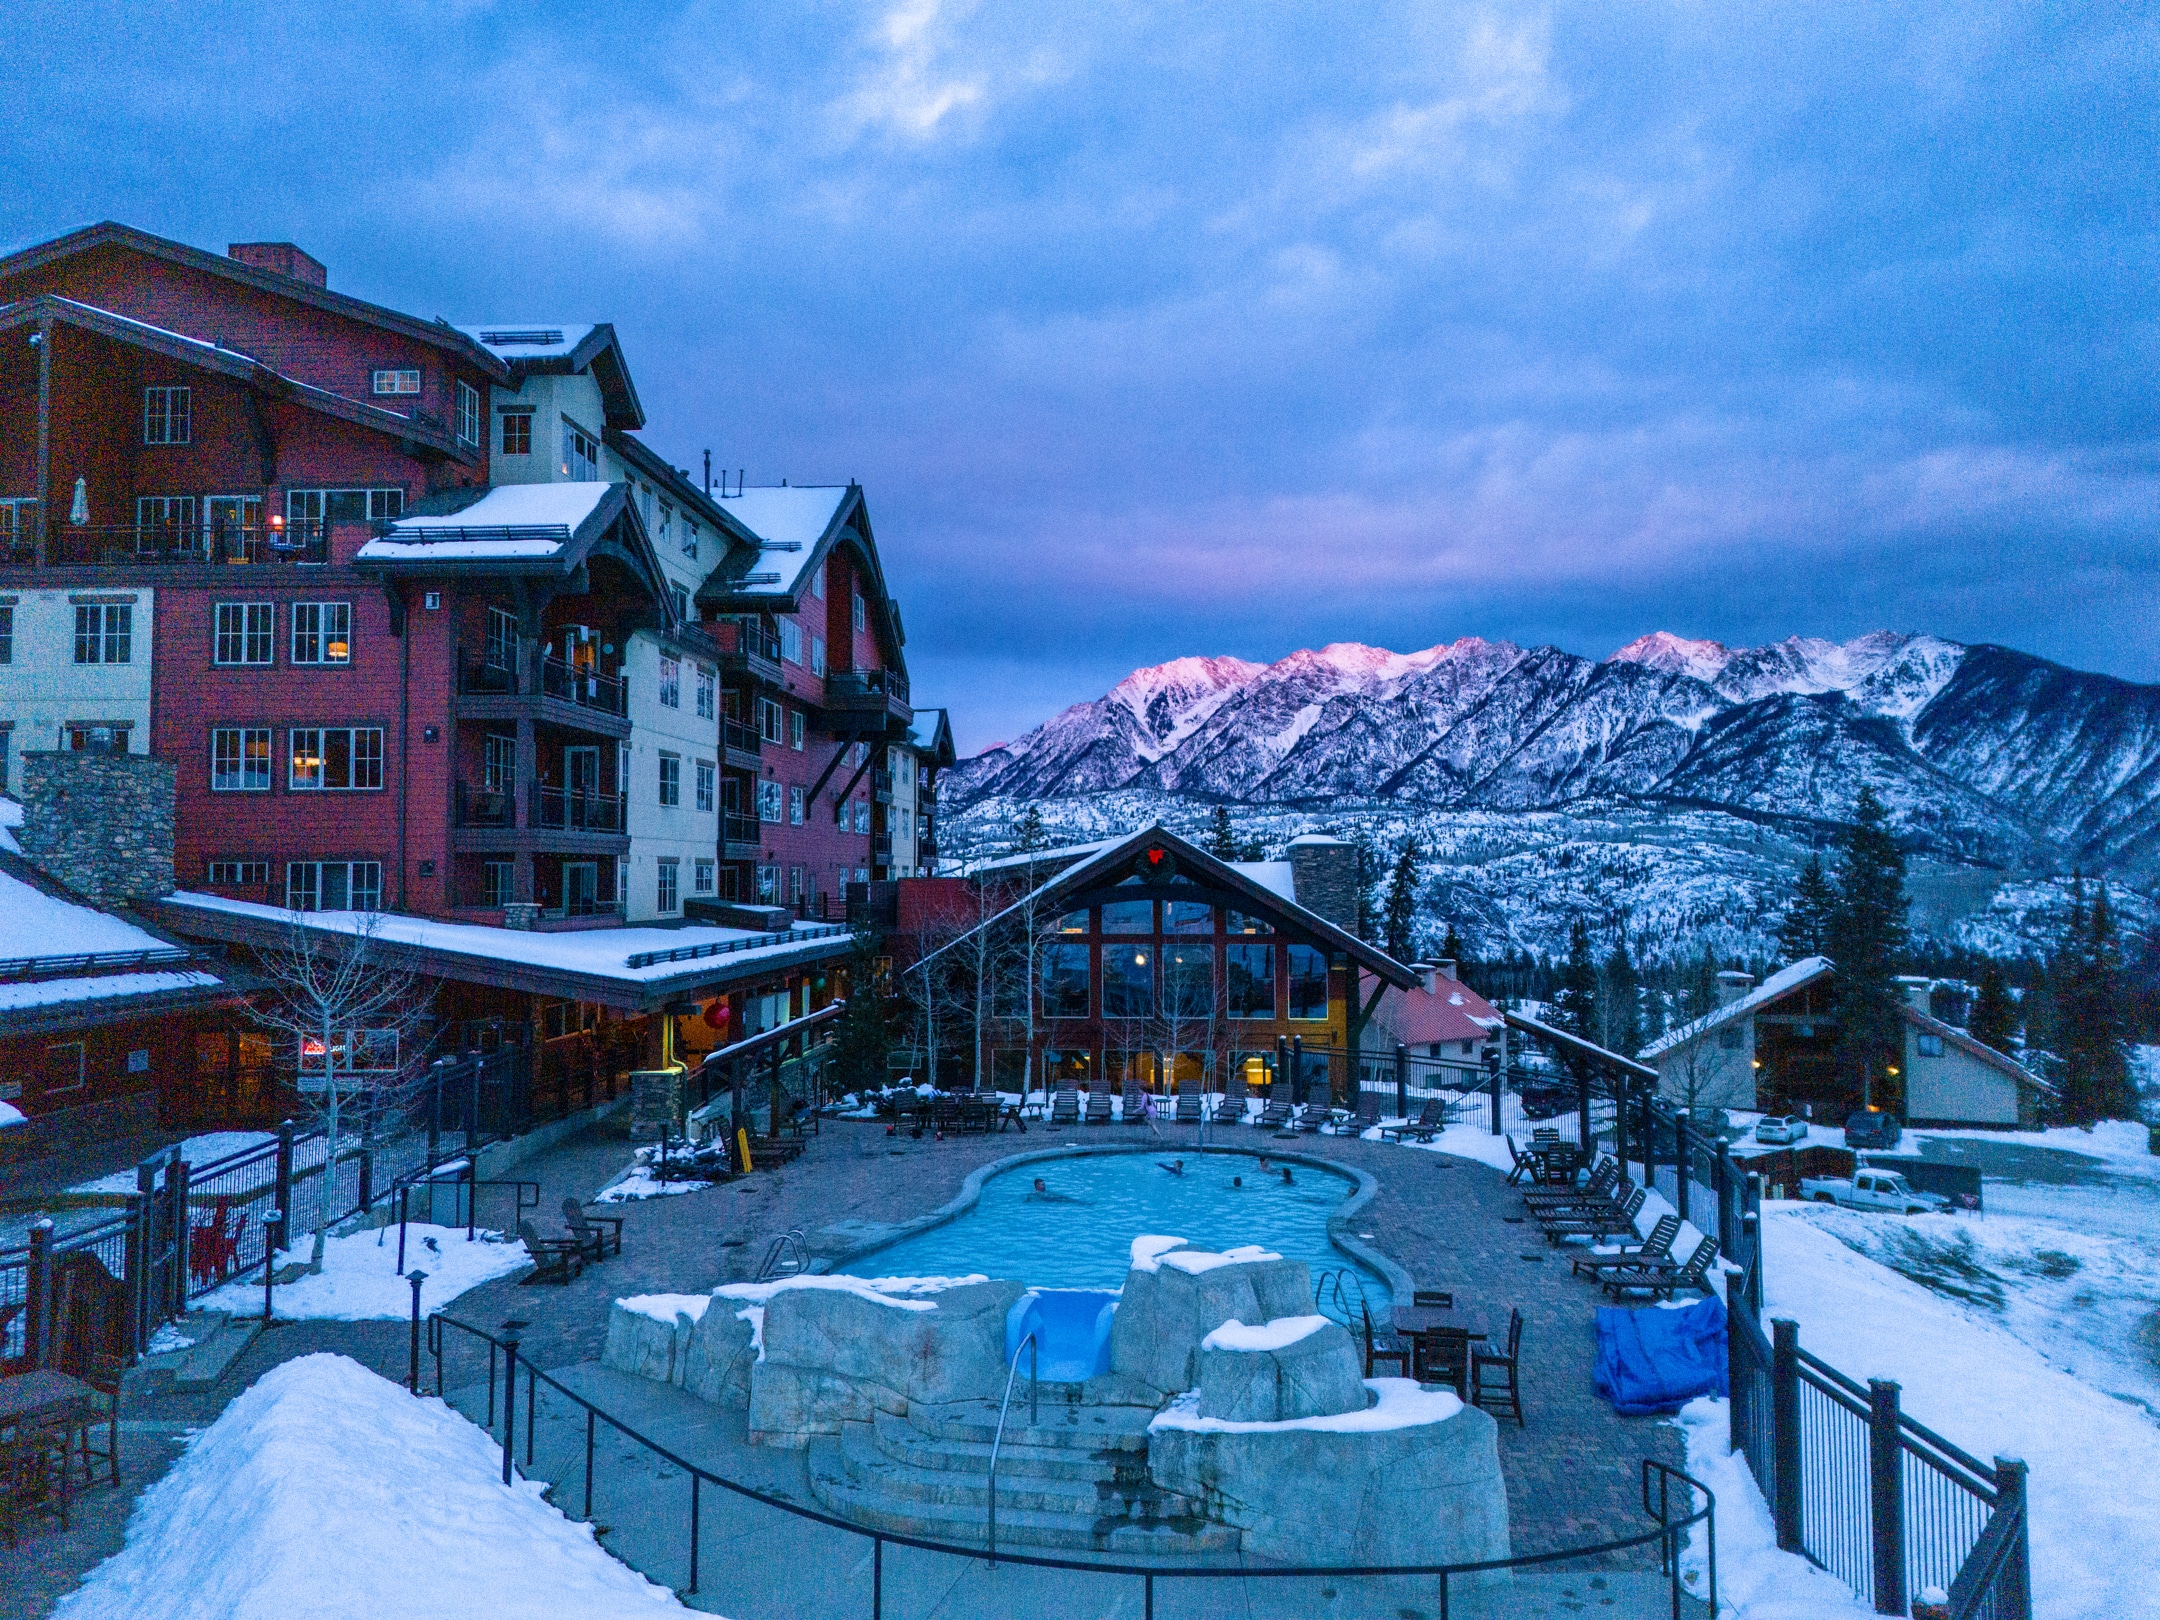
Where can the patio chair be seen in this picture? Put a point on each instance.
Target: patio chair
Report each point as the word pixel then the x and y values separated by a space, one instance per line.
pixel 1276 1116
pixel 1598 1224
pixel 1490 1393
pixel 1189 1102
pixel 1065 1106
pixel 1098 1106
pixel 555 1260
pixel 1442 1356
pixel 596 1232
pixel 1600 1185
pixel 1662 1282
pixel 1656 1249
pixel 34 1475
pixel 1383 1346
pixel 1135 1111
pixel 1525 1168
pixel 1431 1121
pixel 103 1375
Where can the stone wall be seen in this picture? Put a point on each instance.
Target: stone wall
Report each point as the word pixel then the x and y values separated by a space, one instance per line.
pixel 1323 872
pixel 102 824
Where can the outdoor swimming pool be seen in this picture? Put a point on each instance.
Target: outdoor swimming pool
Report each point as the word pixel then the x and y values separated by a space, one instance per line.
pixel 1079 1234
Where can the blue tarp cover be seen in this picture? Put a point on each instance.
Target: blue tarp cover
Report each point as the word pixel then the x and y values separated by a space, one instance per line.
pixel 1658 1360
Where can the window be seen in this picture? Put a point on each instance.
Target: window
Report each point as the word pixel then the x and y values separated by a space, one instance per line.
pixel 104 633
pixel 768 885
pixel 1065 981
pixel 164 520
pixel 1128 981
pixel 496 882
pixel 67 1067
pixel 396 380
pixel 7 632
pixel 689 538
pixel 468 412
pixel 1073 922
pixel 1238 923
pixel 167 416
pixel 99 736
pixel 862 816
pixel 517 433
pixel 706 775
pixel 671 779
pixel 667 524
pixel 681 599
pixel 817 655
pixel 791 641
pixel 862 618
pixel 1189 981
pixel 708 687
pixel 580 454
pixel 1249 980
pixel 7 747
pixel 498 762
pixel 817 582
pixel 1188 917
pixel 502 639
pixel 769 721
pixel 240 759
pixel 701 878
pixel 352 1051
pixel 239 874
pixel 795 730
pixel 244 632
pixel 771 805
pixel 1308 982
pixel 670 682
pixel 322 632
pixel 343 505
pixel 1129 917
pixel 1928 1045
pixel 796 807
pixel 669 897
pixel 333 886
pixel 336 758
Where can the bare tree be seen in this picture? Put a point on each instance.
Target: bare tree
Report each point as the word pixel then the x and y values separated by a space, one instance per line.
pixel 358 1030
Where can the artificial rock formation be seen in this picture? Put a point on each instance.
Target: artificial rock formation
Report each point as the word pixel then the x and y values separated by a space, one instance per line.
pixel 1310 1370
pixel 1174 1301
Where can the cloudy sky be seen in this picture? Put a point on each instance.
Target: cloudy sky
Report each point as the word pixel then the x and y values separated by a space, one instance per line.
pixel 1201 328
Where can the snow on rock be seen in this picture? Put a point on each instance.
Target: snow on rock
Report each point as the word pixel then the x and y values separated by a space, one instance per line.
pixel 1676 655
pixel 1399 1403
pixel 326 1490
pixel 1276 1335
pixel 666 1307
pixel 1148 1250
pixel 359 1280
pixel 1152 1253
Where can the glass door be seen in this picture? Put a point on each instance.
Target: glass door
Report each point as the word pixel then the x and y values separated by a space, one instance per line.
pixel 232 524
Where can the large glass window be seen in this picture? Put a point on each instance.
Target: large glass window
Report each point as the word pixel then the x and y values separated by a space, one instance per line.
pixel 1249 980
pixel 671 779
pixel 336 757
pixel 1189 981
pixel 1065 981
pixel 1238 922
pixel 168 416
pixel 243 633
pixel 240 760
pixel 1129 917
pixel 322 632
pixel 105 634
pixel 1128 981
pixel 706 775
pixel 333 885
pixel 1073 922
pixel 1308 982
pixel 1188 917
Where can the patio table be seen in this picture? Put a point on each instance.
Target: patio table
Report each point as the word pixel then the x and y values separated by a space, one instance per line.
pixel 1416 1319
pixel 43 1399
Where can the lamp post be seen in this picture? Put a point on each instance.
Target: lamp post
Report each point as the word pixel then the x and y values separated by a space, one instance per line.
pixel 416 1278
pixel 273 1221
pixel 511 1330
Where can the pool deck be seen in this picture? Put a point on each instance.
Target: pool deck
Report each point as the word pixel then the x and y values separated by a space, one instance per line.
pixel 1572 1474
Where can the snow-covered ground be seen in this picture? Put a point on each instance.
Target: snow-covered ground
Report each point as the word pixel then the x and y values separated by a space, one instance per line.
pixel 359 1280
pixel 327 1491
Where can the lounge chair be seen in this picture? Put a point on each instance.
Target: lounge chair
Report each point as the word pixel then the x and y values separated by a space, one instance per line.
pixel 1276 1116
pixel 1190 1104
pixel 1600 1187
pixel 1135 1110
pixel 1507 1388
pixel 596 1232
pixel 555 1260
pixel 1098 1106
pixel 1598 1224
pixel 1065 1107
pixel 1662 1282
pixel 1654 1250
pixel 1431 1121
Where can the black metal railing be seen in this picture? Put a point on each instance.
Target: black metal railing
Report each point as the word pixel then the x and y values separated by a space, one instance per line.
pixel 587 907
pixel 586 687
pixel 856 687
pixel 740 829
pixel 485 806
pixel 743 639
pixel 744 739
pixel 19 969
pixel 166 544
pixel 574 810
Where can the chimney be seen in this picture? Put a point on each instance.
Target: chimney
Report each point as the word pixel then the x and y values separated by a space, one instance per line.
pixel 1732 985
pixel 99 823
pixel 282 258
pixel 1919 994
pixel 1323 876
pixel 1445 967
pixel 1426 977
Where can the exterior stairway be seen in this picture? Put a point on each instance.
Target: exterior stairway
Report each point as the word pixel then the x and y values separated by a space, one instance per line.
pixel 1078 1480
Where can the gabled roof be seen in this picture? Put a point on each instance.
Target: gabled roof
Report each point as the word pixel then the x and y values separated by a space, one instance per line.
pixel 242 368
pixel 566 348
pixel 1451 1011
pixel 509 523
pixel 792 526
pixel 1775 988
pixel 1112 861
pixel 441 334
pixel 1929 1024
pixel 940 744
pixel 671 481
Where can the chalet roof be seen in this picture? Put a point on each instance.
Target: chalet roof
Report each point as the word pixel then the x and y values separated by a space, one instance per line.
pixel 1451 1011
pixel 790 525
pixel 531 348
pixel 439 334
pixel 509 521
pixel 242 368
pixel 2002 1063
pixel 1775 988
pixel 939 744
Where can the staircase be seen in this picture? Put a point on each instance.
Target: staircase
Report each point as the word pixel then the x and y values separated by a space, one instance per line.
pixel 1078 1480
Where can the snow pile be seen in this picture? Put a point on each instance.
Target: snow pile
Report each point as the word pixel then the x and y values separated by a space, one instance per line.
pixel 1151 1253
pixel 882 1290
pixel 359 1280
pixel 666 1307
pixel 1279 1334
pixel 639 1183
pixel 325 1490
pixel 1400 1403
pixel 10 819
pixel 11 1115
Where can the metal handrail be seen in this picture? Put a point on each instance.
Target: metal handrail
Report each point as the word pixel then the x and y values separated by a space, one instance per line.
pixel 776 1255
pixel 997 1440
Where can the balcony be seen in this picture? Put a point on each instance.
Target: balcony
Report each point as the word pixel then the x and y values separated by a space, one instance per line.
pixel 165 545
pixel 877 695
pixel 485 806
pixel 747 649
pixel 569 810
pixel 741 743
pixel 881 786
pixel 742 837
pixel 506 683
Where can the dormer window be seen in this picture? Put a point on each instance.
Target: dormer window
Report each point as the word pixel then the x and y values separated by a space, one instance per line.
pixel 397 380
pixel 580 454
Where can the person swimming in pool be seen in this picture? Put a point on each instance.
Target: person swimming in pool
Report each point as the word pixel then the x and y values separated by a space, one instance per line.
pixel 1176 1169
pixel 1237 1181
pixel 1042 1194
pixel 1288 1179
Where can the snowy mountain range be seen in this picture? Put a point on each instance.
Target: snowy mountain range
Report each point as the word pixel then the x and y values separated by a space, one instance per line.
pixel 1989 760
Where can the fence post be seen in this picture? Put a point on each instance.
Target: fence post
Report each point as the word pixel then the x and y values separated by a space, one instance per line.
pixel 472 1116
pixel 1582 1115
pixel 1297 1069
pixel 2010 1492
pixel 37 1296
pixel 434 1124
pixel 1402 1081
pixel 284 1183
pixel 1620 1105
pixel 183 1237
pixel 1751 1227
pixel 1282 1071
pixel 1886 1495
pixel 1683 1160
pixel 1785 1431
pixel 1499 1082
pixel 510 1350
pixel 142 1254
pixel 367 1176
pixel 136 1256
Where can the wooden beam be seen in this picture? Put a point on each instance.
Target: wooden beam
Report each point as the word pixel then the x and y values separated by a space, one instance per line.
pixel 44 436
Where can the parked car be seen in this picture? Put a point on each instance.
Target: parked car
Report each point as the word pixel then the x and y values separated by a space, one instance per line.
pixel 1781 1130
pixel 1873 1128
pixel 1546 1101
pixel 1873 1189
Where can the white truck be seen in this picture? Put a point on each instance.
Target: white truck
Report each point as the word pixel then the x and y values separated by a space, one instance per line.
pixel 1873 1189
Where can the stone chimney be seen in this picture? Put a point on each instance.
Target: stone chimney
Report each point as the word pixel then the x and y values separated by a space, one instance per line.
pixel 282 258
pixel 1323 875
pixel 1919 994
pixel 100 823
pixel 1445 967
pixel 1732 984
pixel 1426 977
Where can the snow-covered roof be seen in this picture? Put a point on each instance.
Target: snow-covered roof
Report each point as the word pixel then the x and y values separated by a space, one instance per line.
pixel 529 340
pixel 34 924
pixel 1313 838
pixel 789 521
pixel 1451 1011
pixel 1780 984
pixel 100 987
pixel 511 520
pixel 1039 857
pixel 1980 1050
pixel 1277 877
pixel 10 819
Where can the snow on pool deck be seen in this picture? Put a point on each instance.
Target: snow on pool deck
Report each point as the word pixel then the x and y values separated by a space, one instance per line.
pixel 359 1280
pixel 325 1490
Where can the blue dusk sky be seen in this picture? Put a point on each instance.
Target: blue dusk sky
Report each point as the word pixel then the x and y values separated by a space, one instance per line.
pixel 1204 328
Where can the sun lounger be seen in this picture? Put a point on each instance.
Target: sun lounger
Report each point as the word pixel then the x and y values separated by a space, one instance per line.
pixel 1654 1250
pixel 1065 1106
pixel 1662 1282
pixel 1098 1106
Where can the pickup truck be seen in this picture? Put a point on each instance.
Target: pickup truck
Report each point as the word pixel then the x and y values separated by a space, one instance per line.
pixel 1873 1189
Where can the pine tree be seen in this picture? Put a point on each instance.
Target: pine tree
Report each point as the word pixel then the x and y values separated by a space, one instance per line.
pixel 2091 1029
pixel 1867 940
pixel 1451 948
pixel 1222 840
pixel 1252 850
pixel 1620 1003
pixel 1700 994
pixel 1028 831
pixel 1399 918
pixel 864 1038
pixel 1805 931
pixel 1993 1020
pixel 1575 1007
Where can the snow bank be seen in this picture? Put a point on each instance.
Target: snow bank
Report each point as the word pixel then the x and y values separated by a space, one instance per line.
pixel 1279 1334
pixel 1400 1404
pixel 359 1279
pixel 666 1307
pixel 327 1491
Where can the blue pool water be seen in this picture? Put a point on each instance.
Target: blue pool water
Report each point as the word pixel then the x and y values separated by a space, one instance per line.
pixel 1080 1235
